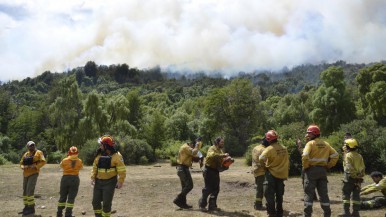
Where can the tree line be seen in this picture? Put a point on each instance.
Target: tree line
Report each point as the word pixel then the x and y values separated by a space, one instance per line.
pixel 150 112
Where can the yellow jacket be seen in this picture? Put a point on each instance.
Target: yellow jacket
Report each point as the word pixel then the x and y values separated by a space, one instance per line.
pixel 38 162
pixel 185 155
pixel 319 153
pixel 354 165
pixel 381 186
pixel 71 165
pixel 214 157
pixel 275 159
pixel 117 167
pixel 258 169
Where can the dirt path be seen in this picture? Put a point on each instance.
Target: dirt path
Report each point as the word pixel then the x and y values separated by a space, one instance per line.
pixel 149 191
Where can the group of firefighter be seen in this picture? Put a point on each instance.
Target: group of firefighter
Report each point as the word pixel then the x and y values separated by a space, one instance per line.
pixel 270 167
pixel 108 173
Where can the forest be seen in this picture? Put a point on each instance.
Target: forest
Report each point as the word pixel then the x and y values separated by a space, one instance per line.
pixel 151 112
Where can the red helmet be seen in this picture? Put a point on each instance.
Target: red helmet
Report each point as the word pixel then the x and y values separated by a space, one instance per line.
pixel 106 140
pixel 73 151
pixel 314 129
pixel 271 135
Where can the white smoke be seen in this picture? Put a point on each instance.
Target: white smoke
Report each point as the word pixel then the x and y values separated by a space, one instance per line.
pixel 210 35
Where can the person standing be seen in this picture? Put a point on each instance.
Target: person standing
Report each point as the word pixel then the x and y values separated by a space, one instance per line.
pixel 211 173
pixel 258 171
pixel 379 185
pixel 107 166
pixel 300 149
pixel 276 161
pixel 184 161
pixel 69 183
pixel 30 163
pixel 318 156
pixel 354 170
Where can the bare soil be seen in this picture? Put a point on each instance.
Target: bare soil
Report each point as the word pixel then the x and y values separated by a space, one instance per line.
pixel 149 191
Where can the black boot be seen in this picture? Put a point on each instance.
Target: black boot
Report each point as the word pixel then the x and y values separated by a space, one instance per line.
pixel 178 201
pixel 213 204
pixel 185 204
pixel 258 206
pixel 271 210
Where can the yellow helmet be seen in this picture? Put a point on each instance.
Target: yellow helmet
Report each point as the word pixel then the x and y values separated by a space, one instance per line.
pixel 352 143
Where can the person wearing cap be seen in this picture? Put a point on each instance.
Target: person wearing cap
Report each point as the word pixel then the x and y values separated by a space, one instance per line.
pixel 211 173
pixel 108 173
pixel 30 163
pixel 184 161
pixel 276 161
pixel 258 171
pixel 69 183
pixel 354 170
pixel 318 156
pixel 379 185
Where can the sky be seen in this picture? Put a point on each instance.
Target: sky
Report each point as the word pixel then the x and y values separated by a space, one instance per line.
pixel 187 35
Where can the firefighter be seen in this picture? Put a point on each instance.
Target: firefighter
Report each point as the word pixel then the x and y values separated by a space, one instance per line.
pixel 354 170
pixel 108 173
pixel 300 149
pixel 69 183
pixel 211 173
pixel 184 160
pixel 258 171
pixel 30 163
pixel 276 161
pixel 379 185
pixel 318 156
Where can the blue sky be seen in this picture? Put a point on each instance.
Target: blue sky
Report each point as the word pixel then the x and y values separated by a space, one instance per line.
pixel 212 35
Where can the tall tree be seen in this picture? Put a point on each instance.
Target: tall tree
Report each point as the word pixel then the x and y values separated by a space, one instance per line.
pixel 135 108
pixel 332 104
pixel 372 86
pixel 235 109
pixel 90 69
pixel 65 114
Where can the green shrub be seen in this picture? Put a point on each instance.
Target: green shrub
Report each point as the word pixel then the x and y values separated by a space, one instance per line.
pixel 135 149
pixel 143 160
pixel 13 157
pixel 55 157
pixel 173 160
pixel 169 149
pixel 3 160
pixel 88 151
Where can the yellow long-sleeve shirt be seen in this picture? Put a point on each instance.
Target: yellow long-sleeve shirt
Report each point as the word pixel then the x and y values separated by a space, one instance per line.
pixel 117 167
pixel 185 155
pixel 214 157
pixel 319 153
pixel 71 165
pixel 381 186
pixel 354 165
pixel 38 162
pixel 275 159
pixel 258 169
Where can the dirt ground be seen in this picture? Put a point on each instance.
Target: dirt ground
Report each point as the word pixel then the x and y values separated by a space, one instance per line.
pixel 150 190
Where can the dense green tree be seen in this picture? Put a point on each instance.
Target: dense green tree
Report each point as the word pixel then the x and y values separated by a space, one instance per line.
pixel 332 104
pixel 177 126
pixel 135 108
pixel 65 114
pixel 90 69
pixel 372 87
pixel 236 111
pixel 154 129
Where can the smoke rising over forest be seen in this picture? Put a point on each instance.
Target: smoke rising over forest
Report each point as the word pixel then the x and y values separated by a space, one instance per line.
pixel 208 35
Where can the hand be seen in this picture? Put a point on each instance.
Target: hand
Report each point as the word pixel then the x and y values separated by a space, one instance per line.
pixel 226 155
pixel 92 182
pixel 119 185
